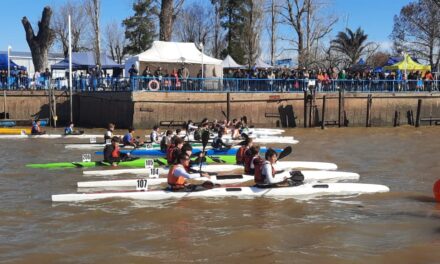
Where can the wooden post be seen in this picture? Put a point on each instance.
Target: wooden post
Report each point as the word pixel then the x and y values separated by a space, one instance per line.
pixel 369 103
pixel 228 106
pixel 419 108
pixel 395 118
pixel 310 110
pixel 323 113
pixel 4 102
pixel 339 108
pixel 305 108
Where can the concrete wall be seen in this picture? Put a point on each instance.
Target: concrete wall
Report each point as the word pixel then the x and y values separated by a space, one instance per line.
pixel 145 109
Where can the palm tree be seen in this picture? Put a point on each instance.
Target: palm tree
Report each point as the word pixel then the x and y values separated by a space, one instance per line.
pixel 352 44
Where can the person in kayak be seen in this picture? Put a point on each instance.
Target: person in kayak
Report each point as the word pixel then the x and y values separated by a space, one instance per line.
pixel 165 142
pixel 217 142
pixel 112 154
pixel 265 174
pixel 174 150
pixel 36 128
pixel 70 130
pixel 154 135
pixel 178 174
pixel 130 140
pixel 251 157
pixel 109 133
pixel 241 152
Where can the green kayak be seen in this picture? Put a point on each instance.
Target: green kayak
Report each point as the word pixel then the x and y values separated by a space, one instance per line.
pixel 136 163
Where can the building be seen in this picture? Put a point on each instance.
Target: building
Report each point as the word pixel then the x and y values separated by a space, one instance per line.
pixel 25 59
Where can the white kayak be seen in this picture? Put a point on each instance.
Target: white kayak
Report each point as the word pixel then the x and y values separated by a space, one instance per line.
pixel 279 166
pixel 49 136
pixel 303 191
pixel 309 176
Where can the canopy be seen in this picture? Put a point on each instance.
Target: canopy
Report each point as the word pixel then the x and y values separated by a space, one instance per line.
pixel 229 63
pixel 12 64
pixel 85 61
pixel 174 55
pixel 260 64
pixel 361 66
pixel 408 64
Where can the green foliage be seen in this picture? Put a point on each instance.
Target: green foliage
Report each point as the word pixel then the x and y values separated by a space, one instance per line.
pixel 140 29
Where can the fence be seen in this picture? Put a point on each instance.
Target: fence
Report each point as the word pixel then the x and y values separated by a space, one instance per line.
pixel 162 84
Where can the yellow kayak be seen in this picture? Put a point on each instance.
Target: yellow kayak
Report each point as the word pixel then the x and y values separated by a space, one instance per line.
pixel 14 131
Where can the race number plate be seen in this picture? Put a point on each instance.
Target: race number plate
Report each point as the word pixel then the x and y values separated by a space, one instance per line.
pixel 86 157
pixel 154 173
pixel 142 184
pixel 149 163
pixel 93 140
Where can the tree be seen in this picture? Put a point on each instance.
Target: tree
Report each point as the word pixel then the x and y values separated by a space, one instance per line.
pixel 218 38
pixel 93 9
pixel 79 25
pixel 310 25
pixel 417 30
pixel 115 41
pixel 194 24
pixel 233 19
pixel 378 59
pixel 168 12
pixel 39 44
pixel 272 25
pixel 140 29
pixel 351 44
pixel 253 24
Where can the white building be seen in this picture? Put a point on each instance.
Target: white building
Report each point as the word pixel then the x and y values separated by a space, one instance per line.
pixel 25 59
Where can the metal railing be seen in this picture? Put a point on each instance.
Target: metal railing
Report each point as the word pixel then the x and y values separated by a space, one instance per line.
pixel 162 84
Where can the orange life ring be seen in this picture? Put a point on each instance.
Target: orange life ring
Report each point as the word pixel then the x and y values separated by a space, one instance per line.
pixel 154 85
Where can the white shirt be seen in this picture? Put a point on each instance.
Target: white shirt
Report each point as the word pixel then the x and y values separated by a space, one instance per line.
pixel 154 136
pixel 180 171
pixel 269 178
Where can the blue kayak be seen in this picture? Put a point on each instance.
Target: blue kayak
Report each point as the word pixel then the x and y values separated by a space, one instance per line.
pixel 196 151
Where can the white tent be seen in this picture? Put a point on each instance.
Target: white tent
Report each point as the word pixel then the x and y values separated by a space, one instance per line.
pixel 173 55
pixel 229 63
pixel 260 64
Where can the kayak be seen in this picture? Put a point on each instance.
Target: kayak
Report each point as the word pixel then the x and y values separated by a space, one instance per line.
pixel 49 136
pixel 280 140
pixel 101 146
pixel 309 176
pixel 279 166
pixel 196 151
pixel 14 131
pixel 308 190
pixel 137 163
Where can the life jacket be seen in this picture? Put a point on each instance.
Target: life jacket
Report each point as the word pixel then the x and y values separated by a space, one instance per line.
pixel 239 157
pixel 259 177
pixel 247 162
pixel 197 135
pixel 115 152
pixel 175 182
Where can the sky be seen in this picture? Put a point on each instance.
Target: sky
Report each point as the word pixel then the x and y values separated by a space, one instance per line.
pixel 374 16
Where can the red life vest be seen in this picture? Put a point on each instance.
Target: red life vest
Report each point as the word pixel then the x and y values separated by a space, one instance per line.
pixel 259 177
pixel 115 152
pixel 247 162
pixel 170 151
pixel 240 156
pixel 175 182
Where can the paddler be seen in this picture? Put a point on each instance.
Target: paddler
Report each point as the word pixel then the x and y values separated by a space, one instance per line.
pixel 154 135
pixel 174 150
pixel 177 175
pixel 36 128
pixel 165 142
pixel 251 157
pixel 69 130
pixel 241 152
pixel 265 174
pixel 112 153
pixel 217 142
pixel 130 140
pixel 109 133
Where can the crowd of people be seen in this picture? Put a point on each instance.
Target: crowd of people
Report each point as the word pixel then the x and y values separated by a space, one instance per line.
pixel 253 79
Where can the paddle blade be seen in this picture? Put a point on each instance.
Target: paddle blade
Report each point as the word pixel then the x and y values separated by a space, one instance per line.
pixel 286 152
pixel 223 112
pixel 205 138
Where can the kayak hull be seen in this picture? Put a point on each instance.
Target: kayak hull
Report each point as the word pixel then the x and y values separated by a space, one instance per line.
pixel 302 191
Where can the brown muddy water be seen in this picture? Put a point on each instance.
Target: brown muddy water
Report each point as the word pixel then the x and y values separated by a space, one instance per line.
pixel 402 226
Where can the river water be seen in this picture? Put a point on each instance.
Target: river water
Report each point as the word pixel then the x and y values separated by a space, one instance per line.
pixel 402 226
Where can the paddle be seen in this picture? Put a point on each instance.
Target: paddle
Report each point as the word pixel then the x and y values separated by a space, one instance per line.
pixel 223 112
pixel 286 152
pixel 205 139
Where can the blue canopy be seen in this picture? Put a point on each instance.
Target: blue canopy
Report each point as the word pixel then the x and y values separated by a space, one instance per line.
pixel 85 61
pixel 13 65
